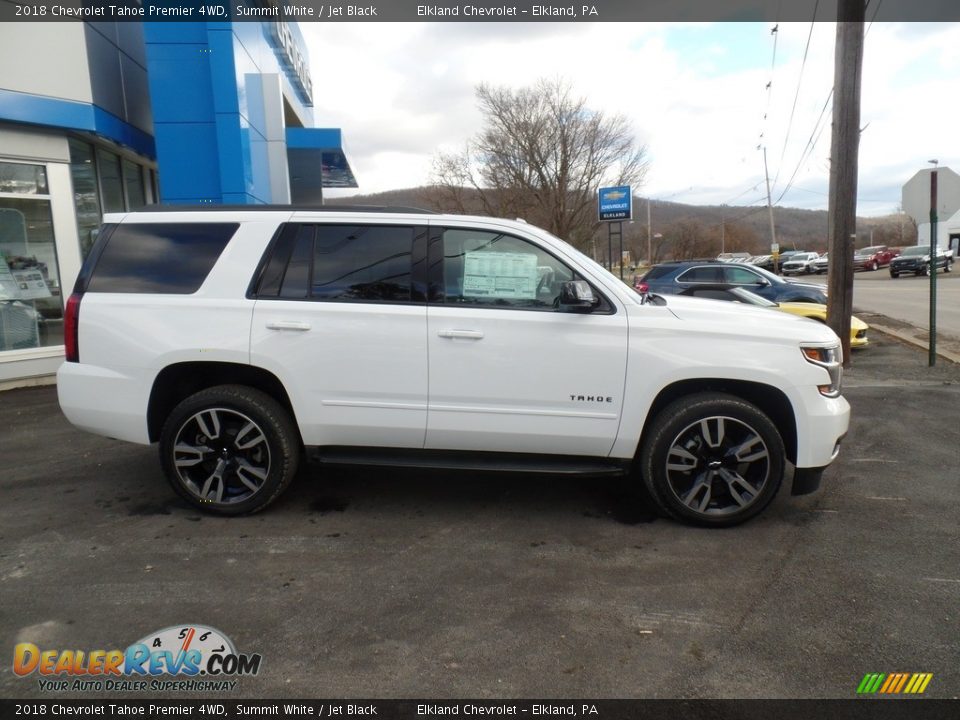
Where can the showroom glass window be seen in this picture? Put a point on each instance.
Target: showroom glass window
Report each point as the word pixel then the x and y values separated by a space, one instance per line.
pixel 104 182
pixel 31 307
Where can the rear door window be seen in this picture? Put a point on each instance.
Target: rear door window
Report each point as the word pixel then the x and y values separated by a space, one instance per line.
pixel 346 263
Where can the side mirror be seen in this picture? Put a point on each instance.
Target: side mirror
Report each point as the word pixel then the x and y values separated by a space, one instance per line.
pixel 577 296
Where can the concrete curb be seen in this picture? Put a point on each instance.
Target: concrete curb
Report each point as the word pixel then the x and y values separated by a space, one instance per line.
pixel 910 339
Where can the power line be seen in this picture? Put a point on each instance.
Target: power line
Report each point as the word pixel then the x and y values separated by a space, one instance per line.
pixel 796 95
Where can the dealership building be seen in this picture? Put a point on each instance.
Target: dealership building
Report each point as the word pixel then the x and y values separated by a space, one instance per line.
pixel 107 117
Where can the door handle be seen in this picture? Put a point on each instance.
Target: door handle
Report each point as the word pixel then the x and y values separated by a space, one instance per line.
pixel 288 325
pixel 462 334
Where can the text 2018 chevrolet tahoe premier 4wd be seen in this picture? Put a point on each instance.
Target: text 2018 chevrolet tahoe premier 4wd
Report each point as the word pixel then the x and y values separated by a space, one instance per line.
pixel 239 338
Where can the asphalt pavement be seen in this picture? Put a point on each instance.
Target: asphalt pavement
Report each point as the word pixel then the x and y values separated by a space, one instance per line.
pixel 409 584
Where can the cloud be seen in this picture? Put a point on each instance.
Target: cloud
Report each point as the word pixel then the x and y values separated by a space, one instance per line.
pixel 695 93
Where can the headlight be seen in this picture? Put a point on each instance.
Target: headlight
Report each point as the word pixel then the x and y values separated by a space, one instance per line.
pixel 926 259
pixel 830 359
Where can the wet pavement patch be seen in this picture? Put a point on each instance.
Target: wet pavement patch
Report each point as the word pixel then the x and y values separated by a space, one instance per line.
pixel 328 504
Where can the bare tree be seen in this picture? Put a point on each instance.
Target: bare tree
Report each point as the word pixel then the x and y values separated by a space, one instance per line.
pixel 541 155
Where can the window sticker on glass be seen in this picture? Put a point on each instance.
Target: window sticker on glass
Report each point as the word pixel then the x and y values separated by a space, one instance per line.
pixel 509 276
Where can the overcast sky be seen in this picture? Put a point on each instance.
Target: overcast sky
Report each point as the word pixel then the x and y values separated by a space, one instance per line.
pixel 696 95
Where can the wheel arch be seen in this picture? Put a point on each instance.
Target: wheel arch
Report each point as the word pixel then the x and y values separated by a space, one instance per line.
pixel 178 381
pixel 769 399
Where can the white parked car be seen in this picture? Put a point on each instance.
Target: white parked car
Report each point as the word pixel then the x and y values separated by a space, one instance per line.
pixel 800 264
pixel 239 339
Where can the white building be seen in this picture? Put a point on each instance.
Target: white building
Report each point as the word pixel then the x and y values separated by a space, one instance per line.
pixel 916 204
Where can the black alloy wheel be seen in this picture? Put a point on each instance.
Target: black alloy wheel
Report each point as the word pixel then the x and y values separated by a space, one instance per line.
pixel 229 449
pixel 713 459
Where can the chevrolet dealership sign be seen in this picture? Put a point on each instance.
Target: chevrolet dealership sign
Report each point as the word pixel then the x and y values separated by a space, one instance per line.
pixel 615 203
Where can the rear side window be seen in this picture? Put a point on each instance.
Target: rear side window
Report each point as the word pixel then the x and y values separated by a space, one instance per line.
pixel 657 272
pixel 172 258
pixel 704 274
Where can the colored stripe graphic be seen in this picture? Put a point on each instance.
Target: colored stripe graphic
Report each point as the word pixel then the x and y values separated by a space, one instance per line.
pixel 894 683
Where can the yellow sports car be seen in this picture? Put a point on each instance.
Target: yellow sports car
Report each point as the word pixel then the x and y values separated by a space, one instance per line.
pixel 814 311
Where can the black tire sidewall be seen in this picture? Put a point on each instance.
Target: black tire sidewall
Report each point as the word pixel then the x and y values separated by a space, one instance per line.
pixel 273 420
pixel 685 411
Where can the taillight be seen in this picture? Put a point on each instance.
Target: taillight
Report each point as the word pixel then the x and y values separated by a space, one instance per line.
pixel 71 328
pixel 641 287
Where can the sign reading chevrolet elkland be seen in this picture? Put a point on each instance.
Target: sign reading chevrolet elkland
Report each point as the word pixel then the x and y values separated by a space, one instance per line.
pixel 615 203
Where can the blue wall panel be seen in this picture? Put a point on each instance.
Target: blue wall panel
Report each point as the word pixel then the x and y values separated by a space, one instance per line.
pixel 211 113
pixel 189 177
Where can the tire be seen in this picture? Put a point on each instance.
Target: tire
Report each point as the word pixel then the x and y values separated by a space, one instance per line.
pixel 894 274
pixel 708 483
pixel 874 267
pixel 948 267
pixel 925 270
pixel 253 456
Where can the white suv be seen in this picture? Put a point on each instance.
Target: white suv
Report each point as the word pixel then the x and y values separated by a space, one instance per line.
pixel 239 338
pixel 798 263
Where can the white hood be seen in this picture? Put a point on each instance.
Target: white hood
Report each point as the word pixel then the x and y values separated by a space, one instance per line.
pixel 724 317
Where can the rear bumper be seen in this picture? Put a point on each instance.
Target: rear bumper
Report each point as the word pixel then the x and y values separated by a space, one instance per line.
pixel 105 402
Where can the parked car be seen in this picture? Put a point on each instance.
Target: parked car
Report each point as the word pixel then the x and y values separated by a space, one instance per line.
pixel 672 278
pixel 240 339
pixel 874 257
pixel 814 311
pixel 821 264
pixel 916 260
pixel 799 264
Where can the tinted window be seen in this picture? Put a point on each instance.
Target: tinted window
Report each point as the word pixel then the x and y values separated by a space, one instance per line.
pixel 362 262
pixel 486 268
pixel 705 274
pixel 159 257
pixel 658 271
pixel 296 280
pixel 740 276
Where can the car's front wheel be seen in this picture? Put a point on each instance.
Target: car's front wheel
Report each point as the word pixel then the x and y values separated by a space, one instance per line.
pixel 874 266
pixel 712 459
pixel 894 274
pixel 229 449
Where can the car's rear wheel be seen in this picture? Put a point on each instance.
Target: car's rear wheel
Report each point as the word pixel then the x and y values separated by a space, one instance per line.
pixel 229 449
pixel 712 459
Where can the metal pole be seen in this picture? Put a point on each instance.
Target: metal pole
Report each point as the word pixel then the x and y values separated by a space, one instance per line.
pixel 773 231
pixel 932 358
pixel 620 234
pixel 609 247
pixel 649 236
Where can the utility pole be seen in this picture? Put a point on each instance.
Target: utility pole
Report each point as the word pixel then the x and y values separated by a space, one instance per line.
pixel 774 248
pixel 844 154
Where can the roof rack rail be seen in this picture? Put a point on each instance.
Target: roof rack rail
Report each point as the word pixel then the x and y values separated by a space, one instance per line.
pixel 288 208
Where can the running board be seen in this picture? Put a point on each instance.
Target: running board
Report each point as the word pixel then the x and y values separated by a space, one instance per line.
pixel 483 461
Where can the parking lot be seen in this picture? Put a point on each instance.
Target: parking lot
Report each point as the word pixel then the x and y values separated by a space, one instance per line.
pixel 414 584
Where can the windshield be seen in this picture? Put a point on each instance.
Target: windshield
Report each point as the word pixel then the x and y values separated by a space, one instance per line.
pixel 918 250
pixel 869 250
